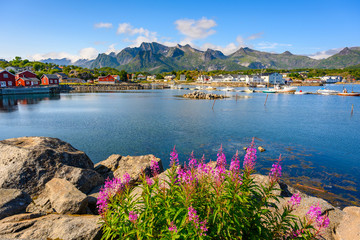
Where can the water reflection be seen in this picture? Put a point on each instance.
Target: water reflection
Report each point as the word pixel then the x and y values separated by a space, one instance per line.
pixel 11 103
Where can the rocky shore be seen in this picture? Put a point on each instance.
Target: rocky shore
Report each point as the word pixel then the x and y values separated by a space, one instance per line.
pixel 202 95
pixel 48 190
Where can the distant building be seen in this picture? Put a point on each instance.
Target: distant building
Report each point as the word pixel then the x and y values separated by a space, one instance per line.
pixel 109 79
pixel 331 79
pixel 151 77
pixel 14 69
pixel 57 68
pixel 273 78
pixel 50 79
pixel 26 78
pixel 169 77
pixel 203 79
pixel 73 80
pixel 182 77
pixel 61 76
pixel 7 79
pixel 255 79
pixel 141 77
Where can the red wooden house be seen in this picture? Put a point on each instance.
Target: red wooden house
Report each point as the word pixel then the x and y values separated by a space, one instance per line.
pixel 109 79
pixel 26 79
pixel 7 79
pixel 50 79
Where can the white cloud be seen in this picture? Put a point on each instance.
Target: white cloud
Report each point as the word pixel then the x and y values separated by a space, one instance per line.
pixel 196 29
pixel 269 45
pixel 228 49
pixel 112 48
pixel 325 54
pixel 127 28
pixel 255 36
pixel 103 25
pixel 85 53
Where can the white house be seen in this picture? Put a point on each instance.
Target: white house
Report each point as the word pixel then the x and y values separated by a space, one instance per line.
pixel 243 78
pixel 256 79
pixel 273 78
pixel 182 77
pixel 331 79
pixel 203 79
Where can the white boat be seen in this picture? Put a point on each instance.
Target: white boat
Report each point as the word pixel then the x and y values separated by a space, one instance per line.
pixel 210 88
pixel 286 90
pixel 325 91
pixel 249 90
pixel 261 86
pixel 200 88
pixel 229 89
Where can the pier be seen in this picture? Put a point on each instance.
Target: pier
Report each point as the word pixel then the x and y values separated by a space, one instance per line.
pixel 104 88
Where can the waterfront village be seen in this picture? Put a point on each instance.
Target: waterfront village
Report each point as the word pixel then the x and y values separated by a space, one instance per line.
pixel 25 77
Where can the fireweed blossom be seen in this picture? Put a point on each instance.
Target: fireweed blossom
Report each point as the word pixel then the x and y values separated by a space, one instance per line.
pixel 172 227
pixel 250 158
pixel 314 216
pixel 275 172
pixel 235 163
pixel 174 157
pixel 110 189
pixel 154 166
pixel 133 216
pixel 192 161
pixel 221 159
pixel 193 217
pixel 294 201
pixel 149 181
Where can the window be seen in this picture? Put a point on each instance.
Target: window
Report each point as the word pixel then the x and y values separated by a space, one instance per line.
pixel 6 75
pixel 55 81
pixel 27 82
pixel 51 81
pixel 10 83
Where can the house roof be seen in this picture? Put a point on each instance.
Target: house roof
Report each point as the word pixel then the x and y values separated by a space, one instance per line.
pixel 2 70
pixel 50 76
pixel 30 79
pixel 61 74
pixel 24 72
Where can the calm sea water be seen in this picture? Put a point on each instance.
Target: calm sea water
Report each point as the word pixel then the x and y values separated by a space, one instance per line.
pixel 316 135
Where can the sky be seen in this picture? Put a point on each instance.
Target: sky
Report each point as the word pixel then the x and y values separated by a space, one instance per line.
pixel 80 29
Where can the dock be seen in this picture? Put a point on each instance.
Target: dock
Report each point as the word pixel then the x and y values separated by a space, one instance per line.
pixel 29 90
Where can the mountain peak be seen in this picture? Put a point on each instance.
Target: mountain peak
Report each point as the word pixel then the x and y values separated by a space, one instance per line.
pixel 345 51
pixel 287 53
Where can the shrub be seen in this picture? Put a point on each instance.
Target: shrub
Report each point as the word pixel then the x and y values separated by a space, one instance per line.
pixel 201 201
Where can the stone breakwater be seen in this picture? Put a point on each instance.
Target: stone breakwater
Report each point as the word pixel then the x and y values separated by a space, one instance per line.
pixel 105 87
pixel 202 95
pixel 47 187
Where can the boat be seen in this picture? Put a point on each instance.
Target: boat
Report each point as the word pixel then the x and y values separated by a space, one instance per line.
pixel 346 93
pixel 261 86
pixel 228 89
pixel 301 92
pixel 249 90
pixel 200 88
pixel 270 90
pixel 324 91
pixel 210 88
pixel 286 89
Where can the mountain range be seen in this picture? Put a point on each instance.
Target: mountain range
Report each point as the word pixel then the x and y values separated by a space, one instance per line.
pixel 155 58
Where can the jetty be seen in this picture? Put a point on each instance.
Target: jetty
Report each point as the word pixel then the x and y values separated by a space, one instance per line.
pixel 29 90
pixel 105 88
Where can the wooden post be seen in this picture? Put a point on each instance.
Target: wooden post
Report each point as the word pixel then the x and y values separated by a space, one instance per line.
pixel 213 104
pixel 352 109
pixel 266 98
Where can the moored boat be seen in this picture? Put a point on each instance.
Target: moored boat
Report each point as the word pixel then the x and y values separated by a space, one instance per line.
pixel 269 91
pixel 249 90
pixel 301 92
pixel 346 93
pixel 228 89
pixel 287 90
pixel 261 86
pixel 325 91
pixel 210 88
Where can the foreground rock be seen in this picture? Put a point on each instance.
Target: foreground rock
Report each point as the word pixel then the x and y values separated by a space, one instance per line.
pixel 12 201
pixel 28 163
pixel 52 226
pixel 202 95
pixel 349 227
pixel 117 165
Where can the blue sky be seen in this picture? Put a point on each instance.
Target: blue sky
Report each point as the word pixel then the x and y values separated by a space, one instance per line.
pixel 82 29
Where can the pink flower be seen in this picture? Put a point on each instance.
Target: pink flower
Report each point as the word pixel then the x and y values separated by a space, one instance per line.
pixel 235 163
pixel 192 161
pixel 155 169
pixel 110 189
pixel 172 227
pixel 203 228
pixel 275 172
pixel 174 158
pixel 192 215
pixel 149 181
pixel 295 201
pixel 313 213
pixel 133 216
pixel 221 159
pixel 250 158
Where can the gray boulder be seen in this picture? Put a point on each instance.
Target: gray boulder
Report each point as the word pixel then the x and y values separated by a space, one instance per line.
pixel 28 163
pixel 117 165
pixel 13 201
pixel 52 226
pixel 349 227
